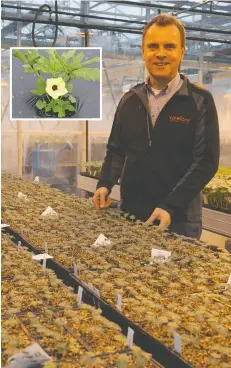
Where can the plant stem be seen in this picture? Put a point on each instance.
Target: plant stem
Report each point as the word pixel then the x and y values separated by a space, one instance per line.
pixel 36 72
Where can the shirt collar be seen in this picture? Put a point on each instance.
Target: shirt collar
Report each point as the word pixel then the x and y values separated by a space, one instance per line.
pixel 171 85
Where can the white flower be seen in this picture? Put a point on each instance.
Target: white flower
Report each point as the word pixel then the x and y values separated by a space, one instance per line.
pixel 56 87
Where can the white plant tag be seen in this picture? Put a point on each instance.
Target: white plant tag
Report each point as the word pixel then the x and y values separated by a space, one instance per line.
pixel 229 281
pixel 119 301
pixel 130 337
pixel 19 244
pixel 102 240
pixel 36 179
pixel 44 263
pixel 4 225
pixel 29 357
pixel 205 198
pixel 79 295
pixel 21 195
pixel 42 256
pixel 49 211
pixel 75 270
pixel 177 342
pixel 46 248
pixel 160 256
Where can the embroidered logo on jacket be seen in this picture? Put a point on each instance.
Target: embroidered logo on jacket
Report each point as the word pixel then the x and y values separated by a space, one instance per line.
pixel 180 119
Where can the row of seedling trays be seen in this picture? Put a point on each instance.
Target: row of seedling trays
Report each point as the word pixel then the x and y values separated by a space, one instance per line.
pixel 160 353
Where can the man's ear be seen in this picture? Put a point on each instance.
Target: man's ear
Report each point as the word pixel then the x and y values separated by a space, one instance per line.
pixel 183 49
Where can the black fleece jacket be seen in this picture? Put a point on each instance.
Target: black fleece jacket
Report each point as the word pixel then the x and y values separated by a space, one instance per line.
pixel 166 166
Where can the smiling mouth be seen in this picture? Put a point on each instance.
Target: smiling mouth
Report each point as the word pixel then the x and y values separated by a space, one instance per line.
pixel 160 64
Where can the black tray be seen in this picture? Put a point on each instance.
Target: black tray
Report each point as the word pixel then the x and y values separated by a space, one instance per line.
pixel 222 210
pixel 163 355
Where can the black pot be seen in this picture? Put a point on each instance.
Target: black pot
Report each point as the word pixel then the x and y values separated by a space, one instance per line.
pixel 51 114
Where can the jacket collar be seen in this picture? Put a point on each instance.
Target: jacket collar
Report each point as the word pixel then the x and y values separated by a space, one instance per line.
pixel 141 90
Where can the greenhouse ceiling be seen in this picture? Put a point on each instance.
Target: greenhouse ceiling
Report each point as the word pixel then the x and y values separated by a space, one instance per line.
pixel 117 24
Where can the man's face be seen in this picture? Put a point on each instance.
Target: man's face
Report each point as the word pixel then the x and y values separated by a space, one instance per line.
pixel 162 51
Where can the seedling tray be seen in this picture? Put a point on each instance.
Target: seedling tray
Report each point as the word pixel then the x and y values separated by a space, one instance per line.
pixel 160 353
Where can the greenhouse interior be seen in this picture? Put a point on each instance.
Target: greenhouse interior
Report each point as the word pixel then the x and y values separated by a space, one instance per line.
pixel 92 285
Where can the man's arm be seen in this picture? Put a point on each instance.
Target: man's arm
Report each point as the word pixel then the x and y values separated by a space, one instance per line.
pixel 206 160
pixel 115 156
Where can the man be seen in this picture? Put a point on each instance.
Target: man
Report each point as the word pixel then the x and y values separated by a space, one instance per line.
pixel 164 143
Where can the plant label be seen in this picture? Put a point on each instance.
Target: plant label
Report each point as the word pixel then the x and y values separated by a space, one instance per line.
pixel 44 263
pixel 205 198
pixel 75 270
pixel 119 301
pixel 22 196
pixel 160 256
pixel 49 212
pixel 4 225
pixel 46 248
pixel 36 180
pixel 19 244
pixel 29 357
pixel 229 281
pixel 79 295
pixel 102 240
pixel 42 256
pixel 130 337
pixel 177 342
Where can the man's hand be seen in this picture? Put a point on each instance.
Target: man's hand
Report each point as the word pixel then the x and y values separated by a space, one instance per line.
pixel 100 198
pixel 162 215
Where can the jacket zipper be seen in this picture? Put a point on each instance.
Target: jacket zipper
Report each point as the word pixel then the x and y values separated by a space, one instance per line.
pixel 149 135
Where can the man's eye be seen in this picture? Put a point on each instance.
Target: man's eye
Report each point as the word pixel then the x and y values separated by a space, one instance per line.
pixel 169 46
pixel 153 46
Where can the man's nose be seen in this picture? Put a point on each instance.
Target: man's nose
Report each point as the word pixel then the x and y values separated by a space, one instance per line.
pixel 160 57
pixel 161 53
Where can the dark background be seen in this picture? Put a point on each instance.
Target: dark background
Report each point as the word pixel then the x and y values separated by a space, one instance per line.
pixel 87 91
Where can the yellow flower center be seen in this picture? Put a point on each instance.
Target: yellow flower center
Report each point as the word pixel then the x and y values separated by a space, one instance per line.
pixel 54 87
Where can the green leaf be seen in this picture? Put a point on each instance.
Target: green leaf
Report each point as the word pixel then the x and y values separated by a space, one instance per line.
pixel 72 99
pixel 35 54
pixel 60 106
pixel 61 114
pixel 76 62
pixel 51 54
pixel 78 58
pixel 48 108
pixel 70 108
pixel 40 104
pixel 50 105
pixel 32 56
pixel 18 54
pixel 52 65
pixel 41 86
pixel 67 55
pixel 35 92
pixel 91 74
pixel 69 87
pixel 43 64
pixel 28 69
pixel 61 61
pixel 91 61
pixel 55 64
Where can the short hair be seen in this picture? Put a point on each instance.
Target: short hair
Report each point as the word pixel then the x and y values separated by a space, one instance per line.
pixel 165 20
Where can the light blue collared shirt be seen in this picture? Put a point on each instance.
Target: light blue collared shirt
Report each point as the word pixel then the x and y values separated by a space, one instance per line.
pixel 156 102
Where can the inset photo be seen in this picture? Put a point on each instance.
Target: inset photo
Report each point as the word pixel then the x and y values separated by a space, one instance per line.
pixel 56 83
